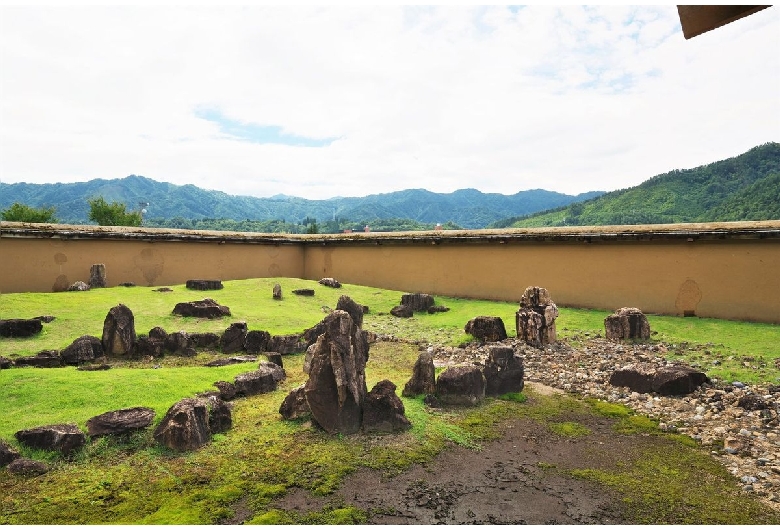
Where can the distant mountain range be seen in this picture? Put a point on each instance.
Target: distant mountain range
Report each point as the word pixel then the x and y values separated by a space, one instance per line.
pixel 468 208
pixel 742 188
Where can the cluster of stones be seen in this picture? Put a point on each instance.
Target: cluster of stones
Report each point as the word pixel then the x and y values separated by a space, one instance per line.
pixel 416 302
pixel 335 395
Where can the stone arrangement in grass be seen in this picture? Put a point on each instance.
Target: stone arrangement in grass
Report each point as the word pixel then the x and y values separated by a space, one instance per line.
pixel 412 303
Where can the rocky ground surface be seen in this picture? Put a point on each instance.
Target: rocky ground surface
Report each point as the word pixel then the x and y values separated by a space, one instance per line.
pixel 744 438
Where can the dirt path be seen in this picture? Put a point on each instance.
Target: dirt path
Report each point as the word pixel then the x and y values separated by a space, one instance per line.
pixel 518 479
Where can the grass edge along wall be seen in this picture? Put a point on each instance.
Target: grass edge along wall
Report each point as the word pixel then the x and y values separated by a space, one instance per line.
pixel 718 270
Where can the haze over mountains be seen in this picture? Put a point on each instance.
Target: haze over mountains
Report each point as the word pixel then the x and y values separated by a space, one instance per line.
pixel 745 187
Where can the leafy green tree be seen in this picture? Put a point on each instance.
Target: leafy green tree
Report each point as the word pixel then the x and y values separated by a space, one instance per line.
pixel 313 228
pixel 27 214
pixel 112 214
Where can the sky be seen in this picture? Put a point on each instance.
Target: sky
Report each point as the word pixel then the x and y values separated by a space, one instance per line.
pixel 326 101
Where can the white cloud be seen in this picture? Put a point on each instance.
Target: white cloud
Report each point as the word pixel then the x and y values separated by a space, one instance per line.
pixel 568 99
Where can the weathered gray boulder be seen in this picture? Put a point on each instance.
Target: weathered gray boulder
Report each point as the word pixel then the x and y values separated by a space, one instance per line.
pixel 27 468
pixel 185 426
pixel 666 380
pixel 437 309
pixel 118 422
pixel 225 361
pixel 43 359
pixel 204 340
pixel 461 385
pixel 20 327
pixel 417 301
pixel 5 363
pixel 503 371
pixel 260 381
pixel 383 410
pixel 227 390
pixel 277 292
pixel 206 308
pixel 286 344
pixel 336 388
pixel 487 329
pixel 79 286
pixel 402 311
pixel 423 379
pixel 304 292
pixel 233 338
pixel 330 282
pixel 177 342
pixel 355 310
pixel 158 333
pixel 277 371
pixel 535 320
pixel 627 323
pixel 7 454
pixel 119 332
pixel 65 438
pixel 295 405
pixel 220 414
pixel 149 347
pixel 274 357
pixel 82 350
pixel 256 341
pixel 97 276
pixel 204 285
pixel 752 402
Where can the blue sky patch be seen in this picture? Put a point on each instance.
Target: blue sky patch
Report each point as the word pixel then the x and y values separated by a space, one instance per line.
pixel 259 134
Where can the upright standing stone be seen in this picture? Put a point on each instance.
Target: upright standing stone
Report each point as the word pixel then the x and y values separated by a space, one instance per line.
pixel 277 292
pixel 503 371
pixel 336 388
pixel 423 379
pixel 418 301
pixel 354 309
pixel 97 276
pixel 488 329
pixel 119 331
pixel 461 385
pixel 233 338
pixel 535 320
pixel 383 411
pixel 627 323
pixel 65 438
pixel 185 426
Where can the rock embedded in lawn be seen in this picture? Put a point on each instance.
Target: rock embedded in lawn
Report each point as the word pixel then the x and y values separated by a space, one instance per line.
pixel 627 323
pixel 82 350
pixel 535 319
pixel 256 341
pixel 260 381
pixel 423 379
pixel 486 329
pixel 20 327
pixel 666 380
pixel 79 286
pixel 295 405
pixel 204 285
pixel 119 332
pixel 233 338
pixel 277 292
pixel 185 426
pixel 461 385
pixel 97 276
pixel 503 371
pixel 7 454
pixel 286 344
pixel 118 422
pixel 402 311
pixel 304 292
pixel 355 310
pixel 65 438
pixel 206 308
pixel 383 410
pixel 43 359
pixel 5 363
pixel 27 467
pixel 417 301
pixel 330 282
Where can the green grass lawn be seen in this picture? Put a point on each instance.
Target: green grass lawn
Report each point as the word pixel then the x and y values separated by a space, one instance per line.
pixel 134 481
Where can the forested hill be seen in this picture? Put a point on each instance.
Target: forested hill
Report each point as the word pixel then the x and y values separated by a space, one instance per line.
pixel 743 188
pixel 467 208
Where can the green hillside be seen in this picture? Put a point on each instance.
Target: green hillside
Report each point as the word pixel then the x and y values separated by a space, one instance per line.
pixel 743 188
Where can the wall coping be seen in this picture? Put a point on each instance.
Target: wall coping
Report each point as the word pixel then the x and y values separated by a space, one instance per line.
pixel 660 232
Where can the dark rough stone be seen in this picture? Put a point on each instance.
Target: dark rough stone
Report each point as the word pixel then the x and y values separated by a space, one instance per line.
pixel 64 438
pixel 503 371
pixel 461 385
pixel 256 341
pixel 277 292
pixel 20 327
pixel 97 276
pixel 163 290
pixel 204 285
pixel 678 380
pixel 158 333
pixel 220 414
pixel 295 405
pixel 432 401
pixel 304 292
pixel 227 390
pixel 27 468
pixel 437 309
pixel 487 329
pixel 274 357
pixel 93 367
pixel 206 308
pixel 43 359
pixel 230 360
pixel 185 426
pixel 119 331
pixel 277 371
pixel 46 319
pixel 118 422
pixel 79 286
pixel 84 349
pixel 261 381
pixel 535 320
pixel 752 402
pixel 423 379
pixel 383 411
pixel 354 309
pixel 286 344
pixel 177 342
pixel 204 340
pixel 336 388
pixel 402 311
pixel 127 284
pixel 417 301
pixel 233 338
pixel 7 454
pixel 149 347
pixel 330 282
pixel 5 363
pixel 627 323
pixel 667 380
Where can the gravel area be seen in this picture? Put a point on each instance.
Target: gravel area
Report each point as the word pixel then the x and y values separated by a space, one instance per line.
pixel 743 438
